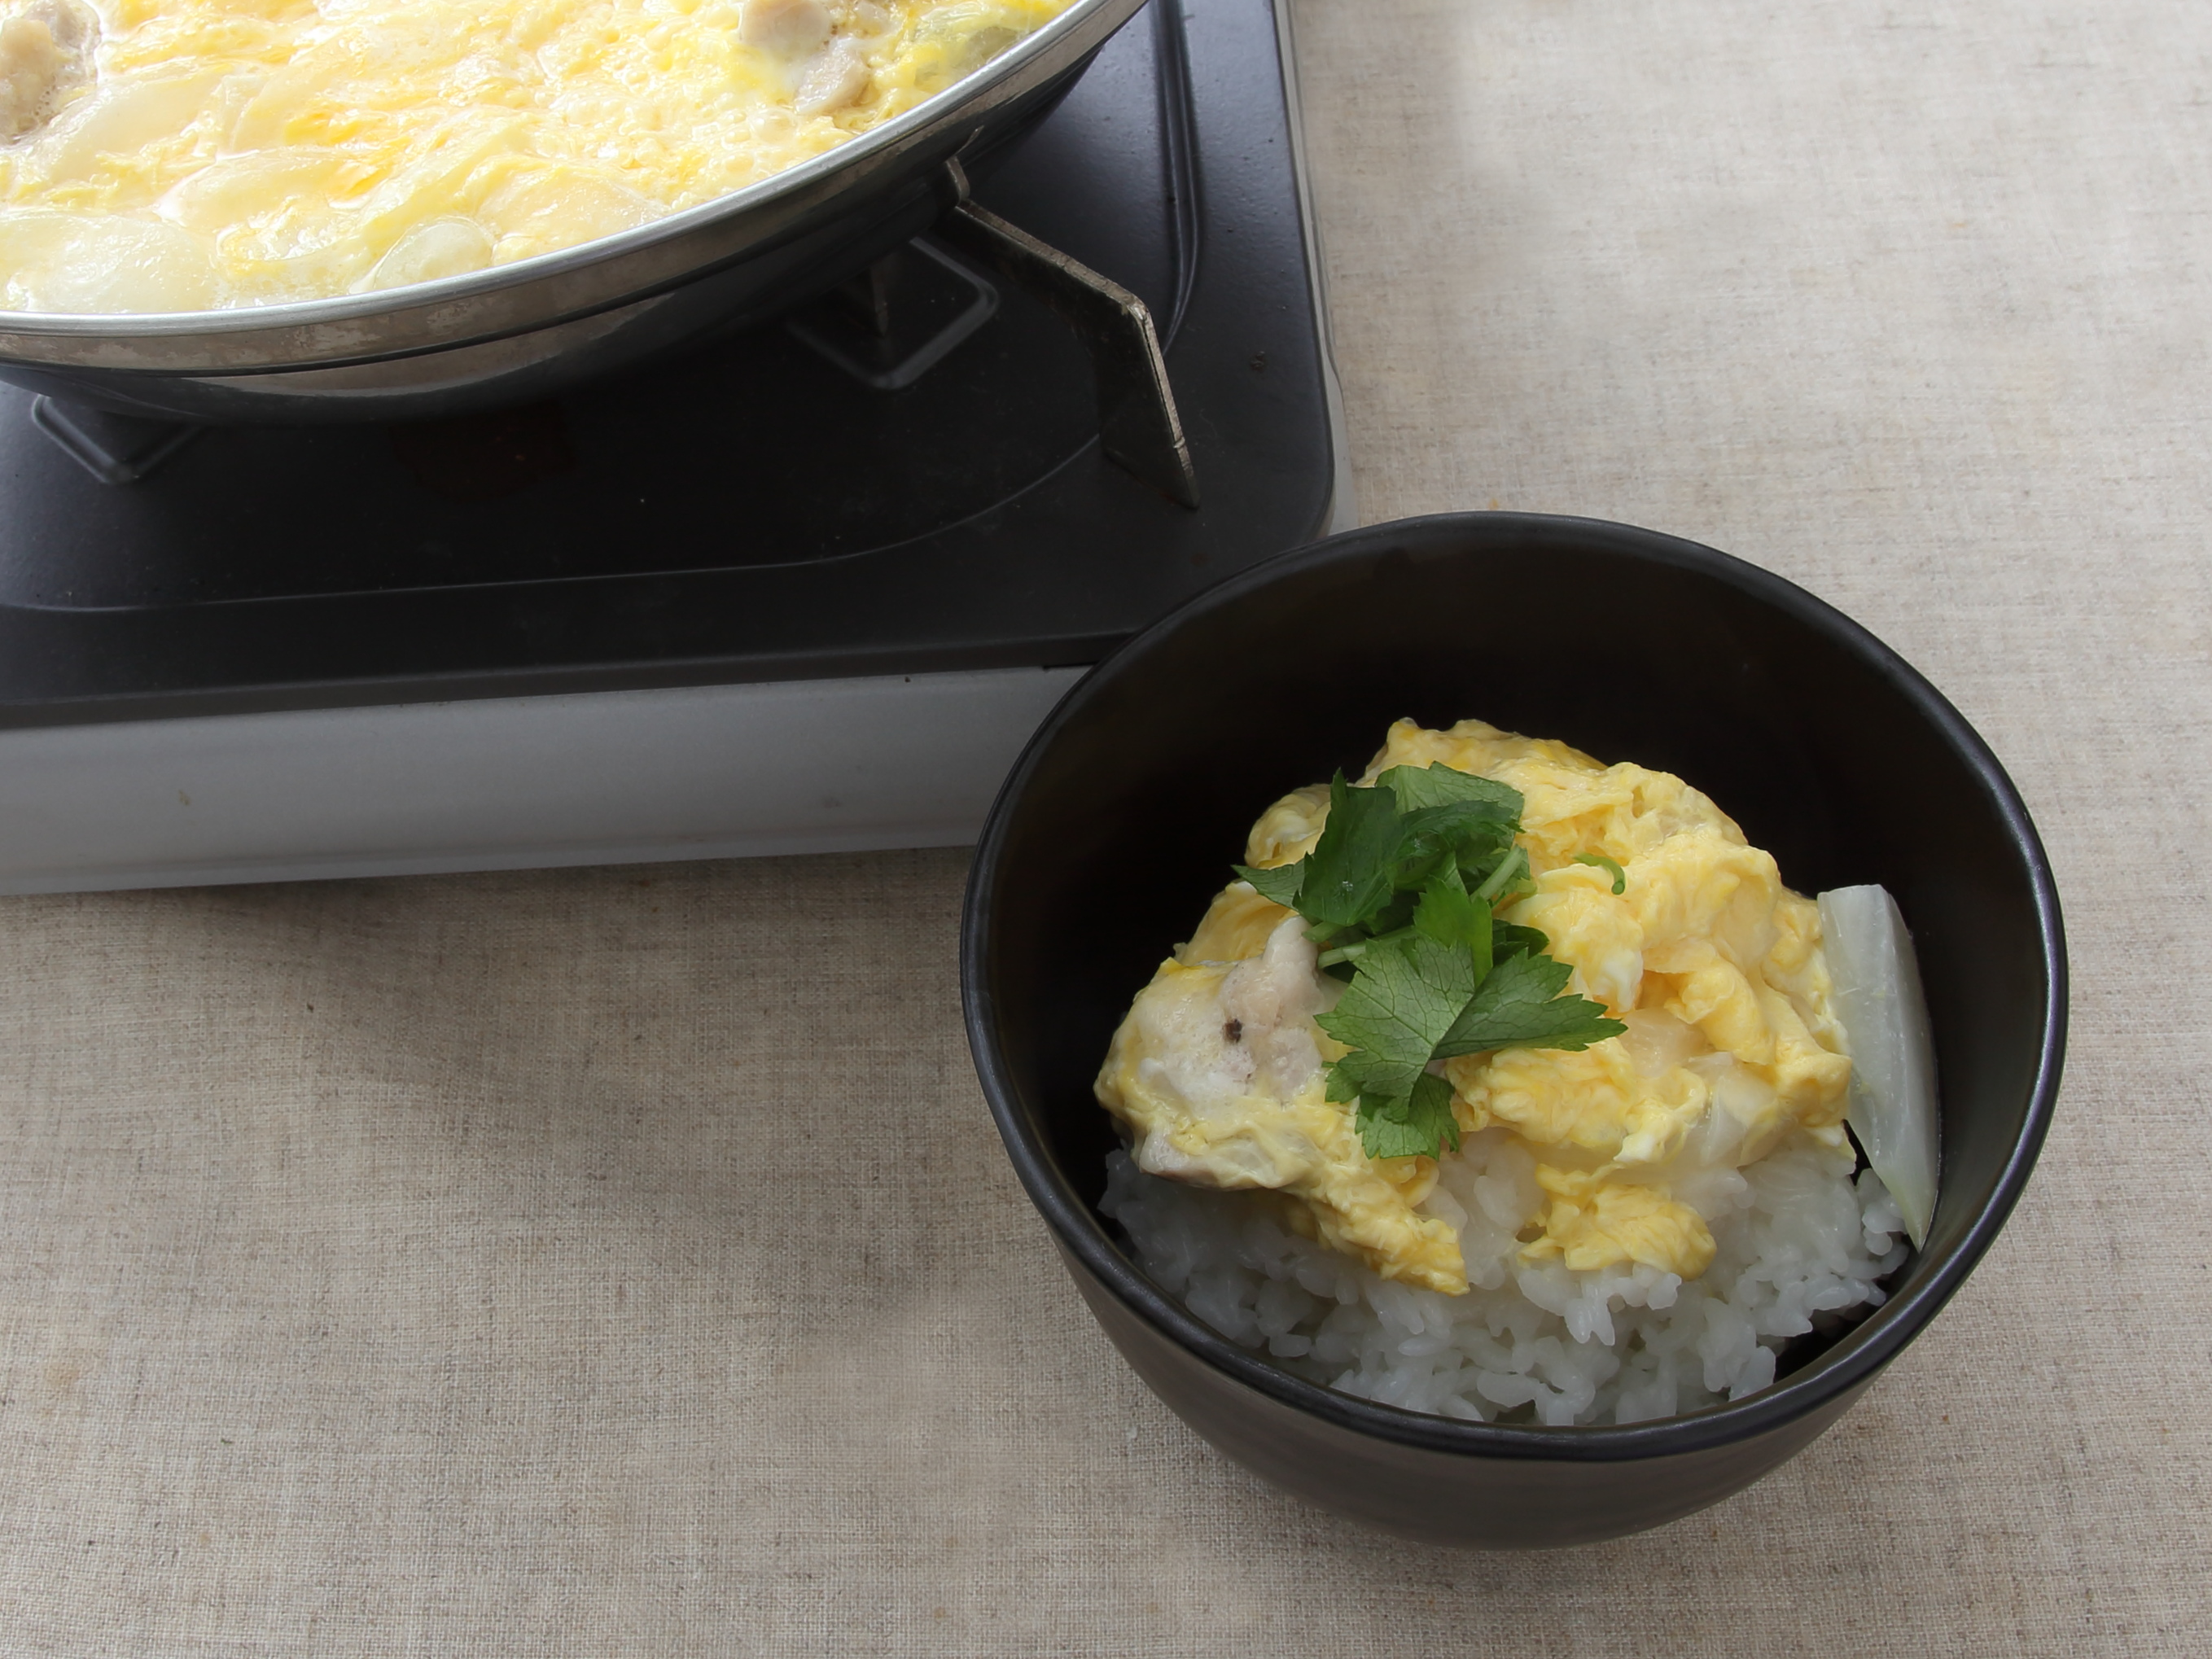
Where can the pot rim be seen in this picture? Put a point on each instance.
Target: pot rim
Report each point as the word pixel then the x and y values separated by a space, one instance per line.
pixel 1852 1361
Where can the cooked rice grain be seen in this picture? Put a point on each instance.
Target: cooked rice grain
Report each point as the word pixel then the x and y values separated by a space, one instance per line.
pixel 1800 1245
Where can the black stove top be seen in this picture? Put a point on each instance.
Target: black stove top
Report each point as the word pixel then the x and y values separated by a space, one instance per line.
pixel 804 502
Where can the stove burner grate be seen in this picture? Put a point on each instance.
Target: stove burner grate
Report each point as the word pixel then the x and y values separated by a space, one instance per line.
pixel 899 318
pixel 116 449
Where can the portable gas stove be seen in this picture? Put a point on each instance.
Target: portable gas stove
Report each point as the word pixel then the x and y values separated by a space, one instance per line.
pixel 807 589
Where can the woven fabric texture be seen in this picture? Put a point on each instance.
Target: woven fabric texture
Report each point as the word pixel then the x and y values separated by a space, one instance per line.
pixel 621 1261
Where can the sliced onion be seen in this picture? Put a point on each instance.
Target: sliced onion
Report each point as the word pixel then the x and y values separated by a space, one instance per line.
pixel 1879 1001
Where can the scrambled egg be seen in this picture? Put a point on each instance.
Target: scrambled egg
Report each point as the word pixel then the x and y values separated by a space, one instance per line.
pixel 1218 1072
pixel 179 155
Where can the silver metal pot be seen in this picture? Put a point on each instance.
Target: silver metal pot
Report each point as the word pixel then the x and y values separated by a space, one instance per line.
pixel 526 330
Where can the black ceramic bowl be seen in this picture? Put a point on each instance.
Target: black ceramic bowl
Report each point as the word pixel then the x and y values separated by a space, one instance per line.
pixel 1120 821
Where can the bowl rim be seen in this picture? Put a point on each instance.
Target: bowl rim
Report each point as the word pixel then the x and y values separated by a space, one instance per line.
pixel 668 227
pixel 1849 1365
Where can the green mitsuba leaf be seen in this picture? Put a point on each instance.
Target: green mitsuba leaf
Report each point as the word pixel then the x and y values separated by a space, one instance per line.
pixel 1394 917
pixel 1415 1127
pixel 1519 1006
pixel 1384 1137
pixel 1429 1110
pixel 1280 883
pixel 1457 834
pixel 1404 998
pixel 1417 786
pixel 1400 890
pixel 1348 875
pixel 1450 915
pixel 1510 939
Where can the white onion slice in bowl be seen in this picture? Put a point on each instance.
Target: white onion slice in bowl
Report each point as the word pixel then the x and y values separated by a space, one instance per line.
pixel 1883 1014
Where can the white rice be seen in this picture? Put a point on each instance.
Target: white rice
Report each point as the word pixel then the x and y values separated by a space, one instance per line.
pixel 1800 1244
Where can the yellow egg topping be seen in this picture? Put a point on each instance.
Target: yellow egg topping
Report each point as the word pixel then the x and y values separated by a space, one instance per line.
pixel 1219 1071
pixel 178 154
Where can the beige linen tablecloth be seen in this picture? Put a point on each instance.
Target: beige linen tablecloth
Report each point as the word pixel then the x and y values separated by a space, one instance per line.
pixel 621 1261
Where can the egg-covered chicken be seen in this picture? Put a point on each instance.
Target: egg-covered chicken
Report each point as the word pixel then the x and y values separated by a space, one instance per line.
pixel 179 155
pixel 1638 885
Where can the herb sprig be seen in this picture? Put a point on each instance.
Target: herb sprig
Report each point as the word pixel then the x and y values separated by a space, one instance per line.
pixel 1400 892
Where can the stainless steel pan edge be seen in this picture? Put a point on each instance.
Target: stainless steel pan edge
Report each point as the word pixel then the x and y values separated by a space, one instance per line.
pixel 558 289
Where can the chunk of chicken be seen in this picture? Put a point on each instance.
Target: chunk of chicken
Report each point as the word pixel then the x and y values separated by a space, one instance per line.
pixel 1217 1074
pixel 46 54
pixel 789 28
pixel 837 75
pixel 828 71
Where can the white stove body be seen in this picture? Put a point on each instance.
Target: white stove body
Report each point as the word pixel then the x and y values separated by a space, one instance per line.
pixel 804 766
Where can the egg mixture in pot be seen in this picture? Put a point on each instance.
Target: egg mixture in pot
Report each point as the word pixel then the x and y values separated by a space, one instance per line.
pixel 1625 1228
pixel 184 154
